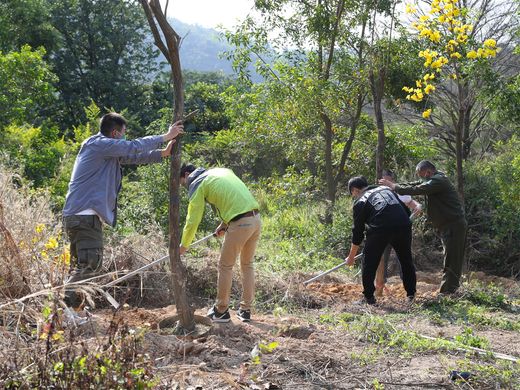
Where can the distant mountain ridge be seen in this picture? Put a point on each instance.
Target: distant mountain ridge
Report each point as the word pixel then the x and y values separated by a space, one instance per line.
pixel 201 49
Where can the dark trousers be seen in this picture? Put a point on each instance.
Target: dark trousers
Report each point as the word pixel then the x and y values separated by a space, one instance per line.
pixel 453 238
pixel 85 234
pixel 401 240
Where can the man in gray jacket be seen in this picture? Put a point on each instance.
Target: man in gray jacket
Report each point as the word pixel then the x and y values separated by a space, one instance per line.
pixel 93 189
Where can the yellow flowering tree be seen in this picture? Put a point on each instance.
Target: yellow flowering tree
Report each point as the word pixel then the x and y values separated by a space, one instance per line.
pixel 455 56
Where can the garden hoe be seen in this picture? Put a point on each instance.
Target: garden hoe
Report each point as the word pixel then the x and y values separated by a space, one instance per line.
pixel 331 270
pixel 112 300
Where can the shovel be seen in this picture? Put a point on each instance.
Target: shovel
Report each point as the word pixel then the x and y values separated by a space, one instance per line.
pixel 112 300
pixel 331 270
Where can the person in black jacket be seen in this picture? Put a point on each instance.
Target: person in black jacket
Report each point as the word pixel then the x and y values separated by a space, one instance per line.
pixel 445 211
pixel 388 223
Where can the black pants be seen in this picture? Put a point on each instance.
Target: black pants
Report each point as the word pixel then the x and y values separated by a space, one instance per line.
pixel 401 240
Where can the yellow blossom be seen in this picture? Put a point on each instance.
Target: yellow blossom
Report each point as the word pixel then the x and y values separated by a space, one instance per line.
pixel 426 114
pixel 410 9
pixel 429 76
pixel 462 38
pixel 435 36
pixel 44 254
pixel 429 88
pixel 39 228
pixel 51 244
pixel 472 54
pixel 439 62
pixel 417 96
pixel 418 84
pixel 424 18
pixel 456 55
pixel 490 43
pixel 65 257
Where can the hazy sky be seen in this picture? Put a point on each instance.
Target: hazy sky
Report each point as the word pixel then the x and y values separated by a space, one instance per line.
pixel 209 13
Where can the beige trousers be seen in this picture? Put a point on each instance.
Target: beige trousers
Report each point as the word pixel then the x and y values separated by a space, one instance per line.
pixel 241 239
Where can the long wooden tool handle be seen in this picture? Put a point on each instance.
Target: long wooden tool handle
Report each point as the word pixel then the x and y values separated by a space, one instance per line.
pixel 329 271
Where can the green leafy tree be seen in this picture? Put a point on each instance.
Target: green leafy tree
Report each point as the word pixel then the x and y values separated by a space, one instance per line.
pixel 104 54
pixel 208 100
pixel 26 90
pixel 26 22
pixel 323 81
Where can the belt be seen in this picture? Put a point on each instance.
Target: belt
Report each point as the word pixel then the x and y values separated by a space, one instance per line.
pixel 251 213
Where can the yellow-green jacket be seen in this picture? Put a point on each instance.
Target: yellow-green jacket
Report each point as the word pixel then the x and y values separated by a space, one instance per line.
pixel 223 190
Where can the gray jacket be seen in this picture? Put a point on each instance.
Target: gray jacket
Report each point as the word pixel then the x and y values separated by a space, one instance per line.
pixel 96 176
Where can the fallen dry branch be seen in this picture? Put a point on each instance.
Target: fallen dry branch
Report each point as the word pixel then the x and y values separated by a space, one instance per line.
pixel 480 351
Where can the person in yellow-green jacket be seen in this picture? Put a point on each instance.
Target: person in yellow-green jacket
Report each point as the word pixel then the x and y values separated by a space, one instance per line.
pixel 241 225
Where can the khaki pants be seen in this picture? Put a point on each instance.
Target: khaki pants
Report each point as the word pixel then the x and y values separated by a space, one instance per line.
pixel 241 239
pixel 85 233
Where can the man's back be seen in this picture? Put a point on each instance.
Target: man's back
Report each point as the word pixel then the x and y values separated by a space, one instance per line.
pixel 224 190
pixel 443 204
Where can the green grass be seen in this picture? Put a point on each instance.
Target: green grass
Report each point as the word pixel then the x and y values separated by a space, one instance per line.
pixel 481 306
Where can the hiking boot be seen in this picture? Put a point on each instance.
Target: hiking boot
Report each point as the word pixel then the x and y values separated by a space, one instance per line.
pixel 219 317
pixel 365 301
pixel 244 315
pixel 410 299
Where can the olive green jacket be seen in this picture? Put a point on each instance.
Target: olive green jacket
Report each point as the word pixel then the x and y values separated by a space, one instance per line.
pixel 443 205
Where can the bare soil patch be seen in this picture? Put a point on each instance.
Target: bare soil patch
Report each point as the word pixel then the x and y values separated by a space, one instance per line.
pixel 307 353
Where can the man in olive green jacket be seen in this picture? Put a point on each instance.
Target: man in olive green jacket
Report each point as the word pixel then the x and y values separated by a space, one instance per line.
pixel 238 210
pixel 446 213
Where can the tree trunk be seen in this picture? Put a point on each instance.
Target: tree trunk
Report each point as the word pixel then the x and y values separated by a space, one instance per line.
pixel 170 50
pixel 377 84
pixel 459 129
pixel 329 176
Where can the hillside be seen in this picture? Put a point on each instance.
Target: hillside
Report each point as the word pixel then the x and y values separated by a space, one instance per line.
pixel 202 48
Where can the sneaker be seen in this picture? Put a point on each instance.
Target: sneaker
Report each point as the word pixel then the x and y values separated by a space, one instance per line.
pixel 410 299
pixel 366 301
pixel 244 315
pixel 219 317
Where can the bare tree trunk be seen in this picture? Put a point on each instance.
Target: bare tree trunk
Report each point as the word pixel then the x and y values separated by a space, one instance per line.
pixel 377 83
pixel 329 176
pixel 327 123
pixel 154 13
pixel 458 141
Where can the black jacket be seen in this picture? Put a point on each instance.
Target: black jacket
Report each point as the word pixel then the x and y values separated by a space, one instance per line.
pixel 380 209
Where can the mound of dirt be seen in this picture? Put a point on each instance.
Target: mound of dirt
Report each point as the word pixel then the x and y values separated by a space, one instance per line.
pixel 394 291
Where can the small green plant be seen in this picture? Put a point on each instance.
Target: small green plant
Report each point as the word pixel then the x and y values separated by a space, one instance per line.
pixel 496 374
pixel 367 356
pixel 377 385
pixel 262 348
pixel 468 338
pixel 486 294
